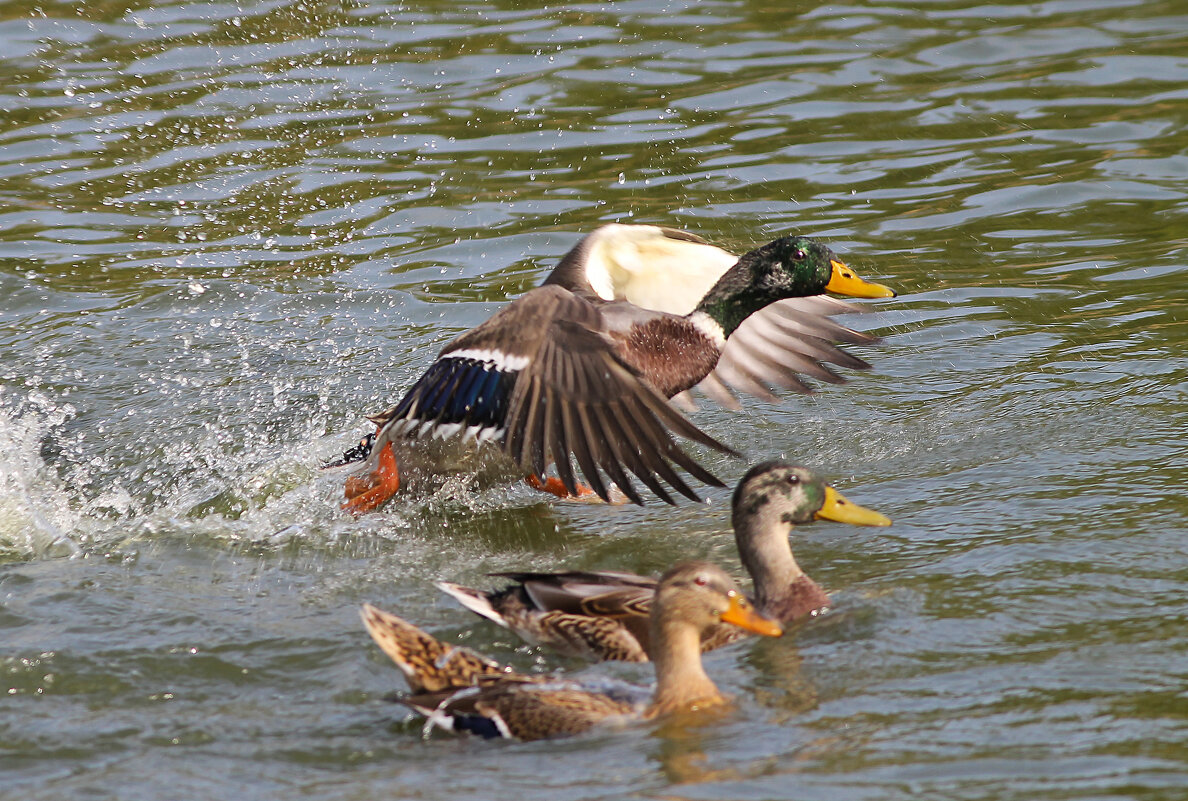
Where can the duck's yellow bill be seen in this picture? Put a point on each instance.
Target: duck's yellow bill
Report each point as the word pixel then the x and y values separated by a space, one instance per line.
pixel 845 281
pixel 742 614
pixel 839 509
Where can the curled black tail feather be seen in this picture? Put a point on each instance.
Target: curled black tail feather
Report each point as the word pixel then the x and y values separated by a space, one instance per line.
pixel 356 454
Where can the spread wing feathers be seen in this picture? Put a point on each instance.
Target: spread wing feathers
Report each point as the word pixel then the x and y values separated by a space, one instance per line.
pixel 577 397
pixel 541 377
pixel 428 664
pixel 456 393
pixel 470 385
pixel 778 344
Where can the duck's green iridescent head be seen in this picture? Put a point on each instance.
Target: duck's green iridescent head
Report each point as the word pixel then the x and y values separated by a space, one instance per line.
pixel 788 267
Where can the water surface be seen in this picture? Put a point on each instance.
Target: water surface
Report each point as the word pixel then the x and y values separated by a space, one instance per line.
pixel 228 231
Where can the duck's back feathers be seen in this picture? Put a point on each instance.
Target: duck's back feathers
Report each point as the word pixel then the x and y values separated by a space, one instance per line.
pixel 583 614
pixel 651 266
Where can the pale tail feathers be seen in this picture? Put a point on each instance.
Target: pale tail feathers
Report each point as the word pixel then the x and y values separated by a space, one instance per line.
pixel 474 600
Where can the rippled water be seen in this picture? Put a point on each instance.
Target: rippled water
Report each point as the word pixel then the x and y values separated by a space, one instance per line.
pixel 228 231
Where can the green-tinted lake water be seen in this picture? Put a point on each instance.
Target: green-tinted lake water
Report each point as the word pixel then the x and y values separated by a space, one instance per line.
pixel 227 231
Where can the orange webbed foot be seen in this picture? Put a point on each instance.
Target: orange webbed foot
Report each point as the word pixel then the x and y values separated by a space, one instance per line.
pixel 554 486
pixel 369 492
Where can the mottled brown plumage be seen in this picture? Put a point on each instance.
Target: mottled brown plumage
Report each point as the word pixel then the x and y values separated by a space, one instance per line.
pixel 689 599
pixel 555 608
pixel 428 664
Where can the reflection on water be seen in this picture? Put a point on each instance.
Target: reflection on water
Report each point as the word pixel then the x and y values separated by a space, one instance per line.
pixel 228 231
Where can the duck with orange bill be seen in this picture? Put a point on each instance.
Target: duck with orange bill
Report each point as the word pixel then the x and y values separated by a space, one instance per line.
pixel 457 690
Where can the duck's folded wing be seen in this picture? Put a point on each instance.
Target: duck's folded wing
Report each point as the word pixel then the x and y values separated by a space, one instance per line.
pixel 778 345
pixel 606 594
pixel 524 711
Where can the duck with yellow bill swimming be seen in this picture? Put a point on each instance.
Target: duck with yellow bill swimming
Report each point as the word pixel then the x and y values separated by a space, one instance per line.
pixel 604 614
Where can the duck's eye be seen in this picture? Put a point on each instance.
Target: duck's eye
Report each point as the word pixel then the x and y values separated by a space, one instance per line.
pixel 799 254
pixel 701 581
pixel 793 480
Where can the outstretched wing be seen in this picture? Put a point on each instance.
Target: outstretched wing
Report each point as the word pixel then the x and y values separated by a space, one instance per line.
pixel 541 378
pixel 662 269
pixel 779 344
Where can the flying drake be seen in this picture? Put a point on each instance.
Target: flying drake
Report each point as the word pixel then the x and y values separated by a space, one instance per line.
pixel 670 270
pixel 560 373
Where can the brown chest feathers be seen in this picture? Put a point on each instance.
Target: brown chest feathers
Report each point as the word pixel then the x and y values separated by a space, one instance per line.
pixel 799 600
pixel 670 352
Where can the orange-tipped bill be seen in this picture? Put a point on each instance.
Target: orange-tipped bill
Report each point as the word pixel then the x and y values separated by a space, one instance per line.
pixel 742 614
pixel 845 281
pixel 839 509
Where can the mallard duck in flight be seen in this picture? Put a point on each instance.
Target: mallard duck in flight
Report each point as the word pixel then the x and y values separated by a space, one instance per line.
pixel 556 374
pixel 458 690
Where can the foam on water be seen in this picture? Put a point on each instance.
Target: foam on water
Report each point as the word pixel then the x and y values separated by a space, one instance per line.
pixel 35 514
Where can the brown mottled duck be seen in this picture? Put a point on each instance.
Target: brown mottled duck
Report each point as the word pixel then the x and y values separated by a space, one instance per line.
pixel 604 614
pixel 458 690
